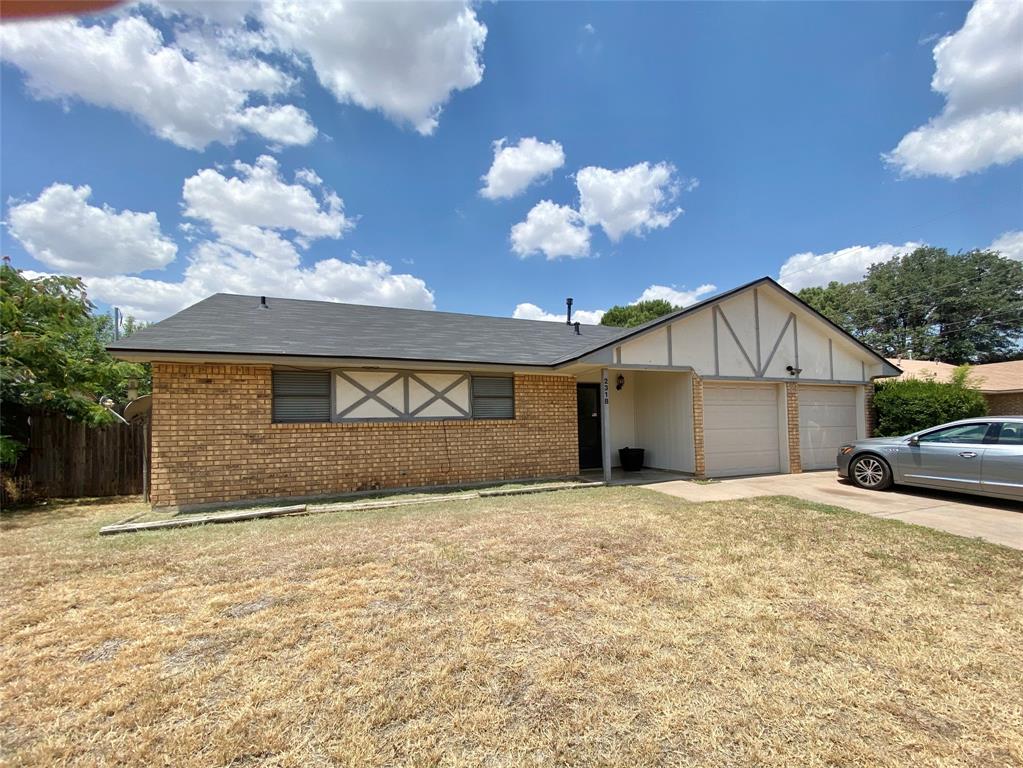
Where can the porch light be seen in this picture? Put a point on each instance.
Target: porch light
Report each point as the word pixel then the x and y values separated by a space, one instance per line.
pixel 620 382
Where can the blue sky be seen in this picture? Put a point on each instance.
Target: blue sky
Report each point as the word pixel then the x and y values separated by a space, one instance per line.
pixel 680 146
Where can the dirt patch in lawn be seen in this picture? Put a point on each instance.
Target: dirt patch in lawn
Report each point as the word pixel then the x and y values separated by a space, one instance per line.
pixel 611 626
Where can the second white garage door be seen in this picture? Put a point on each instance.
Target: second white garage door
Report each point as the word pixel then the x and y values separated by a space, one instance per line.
pixel 740 429
pixel 827 420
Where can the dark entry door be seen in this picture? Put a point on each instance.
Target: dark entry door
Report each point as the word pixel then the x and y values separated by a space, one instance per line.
pixel 588 400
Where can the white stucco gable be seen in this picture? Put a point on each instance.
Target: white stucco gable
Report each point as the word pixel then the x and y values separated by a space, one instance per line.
pixel 754 332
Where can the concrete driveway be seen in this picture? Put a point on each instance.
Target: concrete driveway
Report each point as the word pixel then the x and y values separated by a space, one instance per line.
pixel 997 521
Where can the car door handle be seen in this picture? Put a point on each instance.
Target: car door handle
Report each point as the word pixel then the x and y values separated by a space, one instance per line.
pixel 968 454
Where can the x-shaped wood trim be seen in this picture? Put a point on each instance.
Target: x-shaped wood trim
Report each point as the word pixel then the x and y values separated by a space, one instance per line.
pixel 370 394
pixel 439 394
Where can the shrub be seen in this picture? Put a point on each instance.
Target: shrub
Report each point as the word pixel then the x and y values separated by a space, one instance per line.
pixel 909 405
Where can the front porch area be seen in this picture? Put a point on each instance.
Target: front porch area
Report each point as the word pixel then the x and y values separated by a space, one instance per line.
pixel 646 407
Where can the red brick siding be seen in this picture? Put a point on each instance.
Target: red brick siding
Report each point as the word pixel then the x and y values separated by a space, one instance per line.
pixel 792 421
pixel 213 441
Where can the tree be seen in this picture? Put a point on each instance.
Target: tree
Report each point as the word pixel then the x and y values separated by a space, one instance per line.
pixel 631 315
pixel 52 355
pixel 932 305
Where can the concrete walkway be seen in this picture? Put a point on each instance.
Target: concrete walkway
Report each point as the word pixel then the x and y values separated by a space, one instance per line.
pixel 997 521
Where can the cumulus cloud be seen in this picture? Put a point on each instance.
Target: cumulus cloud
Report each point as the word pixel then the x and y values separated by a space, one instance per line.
pixel 257 196
pixel 403 59
pixel 219 268
pixel 250 229
pixel 846 265
pixel 674 296
pixel 209 79
pixel 527 311
pixel 190 97
pixel 517 166
pixel 554 230
pixel 62 230
pixel 979 70
pixel 633 200
pixel 680 298
pixel 1009 244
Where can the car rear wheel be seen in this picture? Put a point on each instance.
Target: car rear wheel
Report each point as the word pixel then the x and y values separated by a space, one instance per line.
pixel 871 472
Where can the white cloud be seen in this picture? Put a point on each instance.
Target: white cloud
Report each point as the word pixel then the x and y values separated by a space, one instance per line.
pixel 517 166
pixel 191 96
pixel 257 197
pixel 551 229
pixel 254 227
pixel 674 296
pixel 404 59
pixel 1009 244
pixel 220 268
pixel 61 229
pixel 527 311
pixel 979 69
pixel 632 200
pixel 845 266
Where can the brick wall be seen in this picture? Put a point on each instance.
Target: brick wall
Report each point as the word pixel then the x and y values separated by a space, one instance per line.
pixel 792 420
pixel 868 406
pixel 700 464
pixel 1008 404
pixel 213 441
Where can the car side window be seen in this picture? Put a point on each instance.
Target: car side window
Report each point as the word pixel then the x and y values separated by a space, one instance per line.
pixel 962 433
pixel 1011 434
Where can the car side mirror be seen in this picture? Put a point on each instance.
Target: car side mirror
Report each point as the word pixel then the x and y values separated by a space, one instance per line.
pixel 914 440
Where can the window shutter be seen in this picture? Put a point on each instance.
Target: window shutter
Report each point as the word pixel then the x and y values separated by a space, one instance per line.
pixel 300 396
pixel 493 397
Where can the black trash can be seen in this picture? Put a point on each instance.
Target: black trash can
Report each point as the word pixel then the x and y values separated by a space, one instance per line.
pixel 631 459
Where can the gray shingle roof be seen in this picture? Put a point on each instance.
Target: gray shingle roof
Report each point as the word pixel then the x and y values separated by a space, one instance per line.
pixel 231 324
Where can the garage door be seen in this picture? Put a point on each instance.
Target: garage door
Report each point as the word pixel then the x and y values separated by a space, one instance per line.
pixel 740 429
pixel 827 420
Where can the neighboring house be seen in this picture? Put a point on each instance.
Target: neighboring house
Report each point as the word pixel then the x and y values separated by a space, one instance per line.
pixel 1000 383
pixel 278 398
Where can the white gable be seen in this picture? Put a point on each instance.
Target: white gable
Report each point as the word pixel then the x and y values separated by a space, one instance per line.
pixel 756 333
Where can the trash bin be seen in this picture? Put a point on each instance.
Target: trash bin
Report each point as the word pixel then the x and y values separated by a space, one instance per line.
pixel 631 459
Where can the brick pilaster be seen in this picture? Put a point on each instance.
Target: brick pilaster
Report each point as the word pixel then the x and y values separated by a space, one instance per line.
pixel 700 467
pixel 868 406
pixel 792 413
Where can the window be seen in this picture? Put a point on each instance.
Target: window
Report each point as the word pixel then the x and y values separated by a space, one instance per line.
pixel 301 396
pixel 493 397
pixel 964 433
pixel 1011 434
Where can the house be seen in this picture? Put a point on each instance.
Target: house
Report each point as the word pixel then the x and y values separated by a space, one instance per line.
pixel 263 398
pixel 1000 383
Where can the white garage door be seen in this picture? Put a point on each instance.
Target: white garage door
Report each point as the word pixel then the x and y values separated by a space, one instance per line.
pixel 740 429
pixel 827 420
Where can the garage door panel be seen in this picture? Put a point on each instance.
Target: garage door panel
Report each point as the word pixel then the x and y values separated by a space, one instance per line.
pixel 741 429
pixel 827 420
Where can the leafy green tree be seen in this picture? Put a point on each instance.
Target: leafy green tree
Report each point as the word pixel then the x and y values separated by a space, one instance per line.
pixel 932 305
pixel 52 355
pixel 631 315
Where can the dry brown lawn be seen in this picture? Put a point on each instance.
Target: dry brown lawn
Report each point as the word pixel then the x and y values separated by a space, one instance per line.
pixel 592 627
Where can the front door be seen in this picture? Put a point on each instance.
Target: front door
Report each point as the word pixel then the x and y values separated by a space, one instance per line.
pixel 588 402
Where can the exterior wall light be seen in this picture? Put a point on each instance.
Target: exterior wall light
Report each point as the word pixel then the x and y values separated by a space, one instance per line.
pixel 620 382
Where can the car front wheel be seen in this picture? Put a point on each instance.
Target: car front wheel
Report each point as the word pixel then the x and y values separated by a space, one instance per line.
pixel 871 472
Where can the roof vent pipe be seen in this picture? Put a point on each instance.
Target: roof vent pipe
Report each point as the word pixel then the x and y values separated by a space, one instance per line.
pixel 568 303
pixel 262 303
pixel 576 328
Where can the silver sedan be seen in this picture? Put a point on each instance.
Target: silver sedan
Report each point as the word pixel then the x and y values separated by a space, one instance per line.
pixel 982 456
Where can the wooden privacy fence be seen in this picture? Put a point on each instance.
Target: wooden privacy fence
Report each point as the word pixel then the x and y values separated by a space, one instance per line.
pixel 67 458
